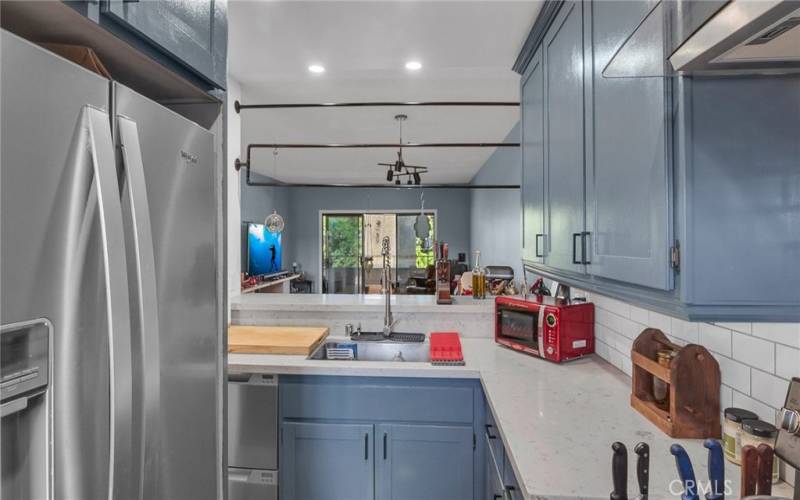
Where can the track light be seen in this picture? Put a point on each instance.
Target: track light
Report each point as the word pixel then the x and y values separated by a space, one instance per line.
pixel 417 178
pixel 408 181
pixel 389 175
pixel 397 181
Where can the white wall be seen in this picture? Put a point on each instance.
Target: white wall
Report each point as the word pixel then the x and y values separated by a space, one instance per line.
pixel 234 141
pixel 756 360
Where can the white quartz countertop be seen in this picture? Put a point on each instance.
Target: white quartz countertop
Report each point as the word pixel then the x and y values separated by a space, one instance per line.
pixel 557 420
pixel 357 303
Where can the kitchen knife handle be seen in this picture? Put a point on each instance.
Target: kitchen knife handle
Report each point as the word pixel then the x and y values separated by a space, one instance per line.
pixel 619 471
pixel 685 472
pixel 642 451
pixel 716 470
pixel 749 470
pixel 765 458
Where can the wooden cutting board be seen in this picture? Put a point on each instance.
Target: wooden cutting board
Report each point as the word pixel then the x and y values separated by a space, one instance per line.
pixel 275 339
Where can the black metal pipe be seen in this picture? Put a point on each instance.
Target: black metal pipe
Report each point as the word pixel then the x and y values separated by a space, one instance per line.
pixel 386 145
pixel 382 186
pixel 239 106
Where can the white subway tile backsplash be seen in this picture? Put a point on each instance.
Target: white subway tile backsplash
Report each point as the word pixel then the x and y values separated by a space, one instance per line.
pixel 787 361
pixel 715 338
pixel 768 388
pixel 782 333
pixel 763 411
pixel 684 330
pixel 737 327
pixel 640 315
pixel 734 374
pixel 725 397
pixel 755 359
pixel 754 352
pixel 660 321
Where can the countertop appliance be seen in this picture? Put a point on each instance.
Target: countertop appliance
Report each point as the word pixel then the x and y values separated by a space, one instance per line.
pixel 252 437
pixel 25 410
pixel 545 327
pixel 109 230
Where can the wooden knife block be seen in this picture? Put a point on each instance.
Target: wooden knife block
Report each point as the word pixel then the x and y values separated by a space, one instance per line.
pixel 693 378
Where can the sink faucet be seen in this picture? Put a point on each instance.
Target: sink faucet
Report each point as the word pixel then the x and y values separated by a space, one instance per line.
pixel 386 282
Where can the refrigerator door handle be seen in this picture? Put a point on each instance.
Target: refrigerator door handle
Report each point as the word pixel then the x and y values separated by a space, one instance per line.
pixel 119 334
pixel 144 297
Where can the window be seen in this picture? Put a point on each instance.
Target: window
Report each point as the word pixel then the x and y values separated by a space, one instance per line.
pixel 351 252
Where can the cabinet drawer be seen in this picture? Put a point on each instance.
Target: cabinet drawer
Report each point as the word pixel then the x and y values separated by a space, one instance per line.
pixel 494 443
pixel 412 400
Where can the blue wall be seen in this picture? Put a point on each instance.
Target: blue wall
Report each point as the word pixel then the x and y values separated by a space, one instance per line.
pixel 495 226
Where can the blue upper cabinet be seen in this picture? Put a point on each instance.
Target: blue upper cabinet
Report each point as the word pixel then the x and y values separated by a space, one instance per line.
pixel 673 193
pixel 193 32
pixel 563 116
pixel 327 461
pixel 627 184
pixel 424 462
pixel 533 161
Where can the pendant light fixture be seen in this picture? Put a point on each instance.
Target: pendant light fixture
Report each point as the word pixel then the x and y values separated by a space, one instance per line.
pixel 274 222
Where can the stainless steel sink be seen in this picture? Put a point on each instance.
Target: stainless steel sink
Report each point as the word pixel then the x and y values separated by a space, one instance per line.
pixel 378 350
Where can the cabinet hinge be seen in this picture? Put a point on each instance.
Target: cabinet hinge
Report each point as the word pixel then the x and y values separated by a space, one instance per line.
pixel 675 256
pixel 474 441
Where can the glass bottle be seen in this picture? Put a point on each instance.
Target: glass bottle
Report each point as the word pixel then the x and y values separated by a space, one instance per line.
pixel 478 278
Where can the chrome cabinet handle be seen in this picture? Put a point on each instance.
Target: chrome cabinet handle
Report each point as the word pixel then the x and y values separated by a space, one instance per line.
pixel 104 167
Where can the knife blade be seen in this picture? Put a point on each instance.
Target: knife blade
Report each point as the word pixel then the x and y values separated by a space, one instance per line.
pixel 685 472
pixel 619 471
pixel 716 470
pixel 749 470
pixel 764 481
pixel 642 451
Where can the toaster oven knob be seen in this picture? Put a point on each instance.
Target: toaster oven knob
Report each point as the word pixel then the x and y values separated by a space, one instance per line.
pixel 551 320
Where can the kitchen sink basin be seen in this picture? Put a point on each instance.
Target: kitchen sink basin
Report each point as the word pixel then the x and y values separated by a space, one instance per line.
pixel 375 350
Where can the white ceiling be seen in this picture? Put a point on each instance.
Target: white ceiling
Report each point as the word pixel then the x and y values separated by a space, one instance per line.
pixel 466 48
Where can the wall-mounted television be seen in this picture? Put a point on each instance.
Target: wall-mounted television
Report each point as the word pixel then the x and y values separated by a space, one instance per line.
pixel 263 250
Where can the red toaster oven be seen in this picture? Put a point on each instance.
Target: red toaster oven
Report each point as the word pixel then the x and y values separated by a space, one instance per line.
pixel 545 327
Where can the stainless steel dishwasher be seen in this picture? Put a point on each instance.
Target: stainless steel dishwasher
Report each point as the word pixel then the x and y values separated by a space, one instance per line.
pixel 25 410
pixel 252 437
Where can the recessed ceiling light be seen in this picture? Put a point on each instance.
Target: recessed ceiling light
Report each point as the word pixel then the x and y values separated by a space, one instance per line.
pixel 413 65
pixel 316 68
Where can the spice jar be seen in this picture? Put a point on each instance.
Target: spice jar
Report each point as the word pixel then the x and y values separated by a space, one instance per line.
pixel 732 432
pixel 660 387
pixel 756 432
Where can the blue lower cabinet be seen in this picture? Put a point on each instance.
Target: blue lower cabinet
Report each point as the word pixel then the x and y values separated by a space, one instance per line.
pixel 327 461
pixel 424 462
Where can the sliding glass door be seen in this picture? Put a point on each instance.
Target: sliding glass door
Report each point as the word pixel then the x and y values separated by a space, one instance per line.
pixel 342 236
pixel 351 252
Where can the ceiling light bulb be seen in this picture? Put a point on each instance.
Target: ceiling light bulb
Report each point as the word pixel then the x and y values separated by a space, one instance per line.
pixel 413 65
pixel 316 68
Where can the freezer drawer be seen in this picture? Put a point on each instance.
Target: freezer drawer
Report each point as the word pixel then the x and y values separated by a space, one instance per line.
pixel 249 484
pixel 253 421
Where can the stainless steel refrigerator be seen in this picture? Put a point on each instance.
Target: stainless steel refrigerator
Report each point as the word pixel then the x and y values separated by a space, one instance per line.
pixel 109 231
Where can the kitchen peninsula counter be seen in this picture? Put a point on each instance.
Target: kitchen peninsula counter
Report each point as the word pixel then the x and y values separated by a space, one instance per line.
pixel 413 313
pixel 557 421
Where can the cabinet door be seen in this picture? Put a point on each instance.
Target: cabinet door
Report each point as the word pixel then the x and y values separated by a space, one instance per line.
pixel 628 182
pixel 424 462
pixel 563 60
pixel 193 31
pixel 327 461
pixel 533 161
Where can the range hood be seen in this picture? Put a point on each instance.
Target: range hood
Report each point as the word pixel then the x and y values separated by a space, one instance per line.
pixel 745 36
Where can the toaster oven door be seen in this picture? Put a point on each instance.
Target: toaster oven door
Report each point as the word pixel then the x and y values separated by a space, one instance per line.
pixel 519 326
